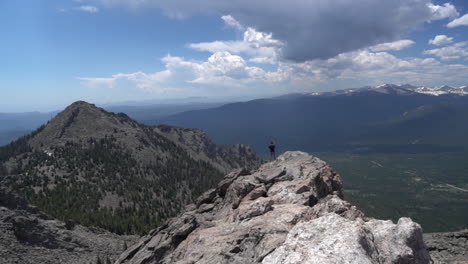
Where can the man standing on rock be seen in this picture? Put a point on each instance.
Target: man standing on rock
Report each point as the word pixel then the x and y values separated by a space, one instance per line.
pixel 272 148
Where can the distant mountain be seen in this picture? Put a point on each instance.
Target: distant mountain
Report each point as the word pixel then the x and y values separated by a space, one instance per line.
pixel 438 124
pixel 23 121
pixel 15 125
pixel 11 135
pixel 146 114
pixel 104 169
pixel 405 89
pixel 335 121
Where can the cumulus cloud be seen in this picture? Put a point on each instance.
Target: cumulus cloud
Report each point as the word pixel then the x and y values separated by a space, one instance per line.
pixel 313 29
pixel 443 11
pixel 396 45
pixel 223 69
pixel 88 8
pixel 452 52
pixel 441 40
pixel 321 43
pixel 461 21
pixel 261 46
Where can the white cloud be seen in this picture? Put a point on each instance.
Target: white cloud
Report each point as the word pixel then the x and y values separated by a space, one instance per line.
pixel 443 11
pixel 396 45
pixel 230 21
pixel 452 52
pixel 461 21
pixel 441 40
pixel 263 60
pixel 88 8
pixel 223 70
pixel 149 82
pixel 312 29
pixel 240 65
pixel 367 66
pixel 98 82
pixel 258 45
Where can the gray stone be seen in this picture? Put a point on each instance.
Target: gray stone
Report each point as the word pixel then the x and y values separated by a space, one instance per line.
pixel 290 210
pixel 449 247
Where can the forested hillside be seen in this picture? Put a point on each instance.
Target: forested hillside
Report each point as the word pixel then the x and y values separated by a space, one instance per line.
pixel 104 169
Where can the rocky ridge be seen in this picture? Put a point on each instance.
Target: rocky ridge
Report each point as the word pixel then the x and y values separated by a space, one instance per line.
pixel 223 157
pixel 288 211
pixel 81 121
pixel 29 236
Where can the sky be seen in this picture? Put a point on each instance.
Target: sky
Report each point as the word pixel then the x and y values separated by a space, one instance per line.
pixel 55 52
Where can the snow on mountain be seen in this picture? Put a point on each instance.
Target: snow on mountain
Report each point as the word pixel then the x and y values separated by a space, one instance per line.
pixel 442 90
pixel 394 89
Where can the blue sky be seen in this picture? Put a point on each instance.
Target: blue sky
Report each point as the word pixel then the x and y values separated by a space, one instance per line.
pixel 58 51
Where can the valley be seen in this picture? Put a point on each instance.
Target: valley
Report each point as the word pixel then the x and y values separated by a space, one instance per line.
pixel 428 187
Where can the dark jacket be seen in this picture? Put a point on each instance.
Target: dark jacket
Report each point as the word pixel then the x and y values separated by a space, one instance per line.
pixel 272 148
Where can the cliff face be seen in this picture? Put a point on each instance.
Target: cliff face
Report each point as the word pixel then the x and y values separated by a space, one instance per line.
pixel 288 211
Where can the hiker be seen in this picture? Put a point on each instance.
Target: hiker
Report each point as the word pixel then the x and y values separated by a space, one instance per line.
pixel 272 151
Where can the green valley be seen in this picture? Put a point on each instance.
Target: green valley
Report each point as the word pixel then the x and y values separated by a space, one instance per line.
pixel 431 188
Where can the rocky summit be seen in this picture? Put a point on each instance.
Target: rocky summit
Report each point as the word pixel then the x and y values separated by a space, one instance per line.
pixel 289 211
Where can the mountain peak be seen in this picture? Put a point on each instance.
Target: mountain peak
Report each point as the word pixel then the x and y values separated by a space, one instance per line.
pixel 87 162
pixel 82 106
pixel 78 121
pixel 81 103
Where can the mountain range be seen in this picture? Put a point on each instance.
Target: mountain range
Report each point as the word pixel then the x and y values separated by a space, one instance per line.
pixel 97 168
pixel 14 125
pixel 387 118
pixel 404 89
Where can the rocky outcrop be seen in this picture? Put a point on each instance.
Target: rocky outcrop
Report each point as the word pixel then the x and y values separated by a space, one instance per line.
pixel 450 247
pixel 28 236
pixel 288 211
